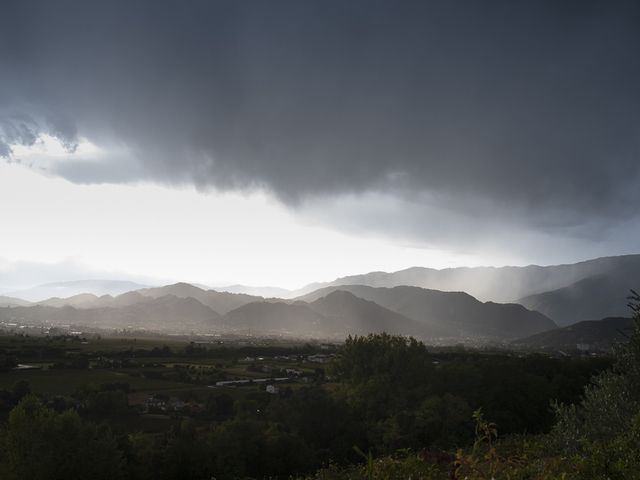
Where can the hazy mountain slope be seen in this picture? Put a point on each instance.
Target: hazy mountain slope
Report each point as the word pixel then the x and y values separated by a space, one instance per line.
pixel 349 314
pixel 79 301
pixel 172 312
pixel 452 314
pixel 12 302
pixel 221 302
pixel 164 313
pixel 337 315
pixel 182 290
pixel 124 300
pixel 503 284
pixel 69 289
pixel 276 317
pixel 598 296
pixel 598 334
pixel 88 300
pixel 265 292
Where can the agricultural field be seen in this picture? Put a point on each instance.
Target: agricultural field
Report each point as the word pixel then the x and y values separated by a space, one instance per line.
pixel 161 374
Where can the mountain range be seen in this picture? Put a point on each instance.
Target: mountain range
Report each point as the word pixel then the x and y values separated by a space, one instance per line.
pixel 335 315
pixel 168 313
pixel 499 284
pixel 449 314
pixel 457 303
pixel 333 312
pixel 221 302
pixel 598 296
pixel 68 289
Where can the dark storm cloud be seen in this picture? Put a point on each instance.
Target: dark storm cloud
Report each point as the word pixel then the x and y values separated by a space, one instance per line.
pixel 22 129
pixel 499 110
pixel 17 130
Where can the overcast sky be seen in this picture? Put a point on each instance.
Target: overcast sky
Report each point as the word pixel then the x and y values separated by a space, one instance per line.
pixel 283 142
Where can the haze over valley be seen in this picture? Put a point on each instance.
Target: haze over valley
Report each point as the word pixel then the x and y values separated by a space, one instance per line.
pixel 436 306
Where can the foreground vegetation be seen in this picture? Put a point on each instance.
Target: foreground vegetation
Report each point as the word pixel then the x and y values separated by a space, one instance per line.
pixel 380 407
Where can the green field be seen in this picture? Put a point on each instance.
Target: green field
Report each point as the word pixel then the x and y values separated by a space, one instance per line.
pixel 176 368
pixel 66 382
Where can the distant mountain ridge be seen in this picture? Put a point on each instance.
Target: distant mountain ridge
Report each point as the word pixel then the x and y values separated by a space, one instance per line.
pixel 598 296
pixel 442 302
pixel 266 292
pixel 167 313
pixel 221 302
pixel 498 284
pixel 589 335
pixel 448 314
pixel 335 315
pixel 275 318
pixel 329 313
pixel 6 301
pixel 352 314
pixel 69 289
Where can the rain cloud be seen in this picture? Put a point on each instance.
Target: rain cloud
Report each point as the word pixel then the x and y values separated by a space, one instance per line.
pixel 524 115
